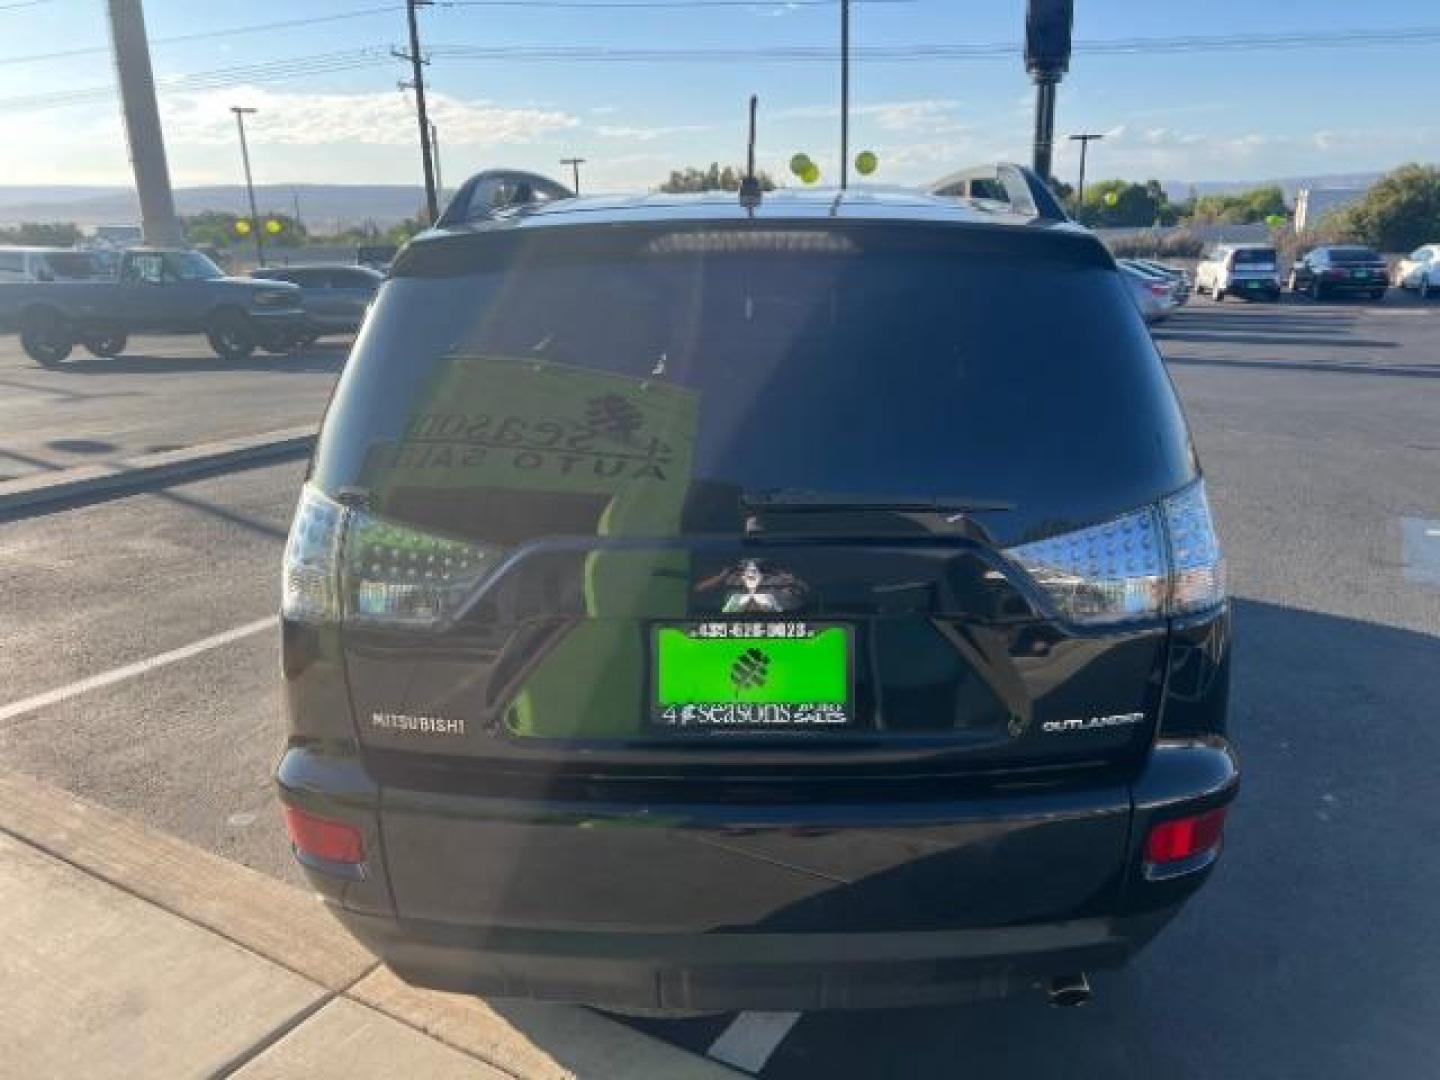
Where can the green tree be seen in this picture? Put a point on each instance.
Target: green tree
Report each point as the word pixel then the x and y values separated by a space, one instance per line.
pixel 42 234
pixel 1240 208
pixel 715 178
pixel 1121 204
pixel 1401 211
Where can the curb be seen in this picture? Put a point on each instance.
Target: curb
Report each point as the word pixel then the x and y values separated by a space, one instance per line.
pixel 289 928
pixel 92 483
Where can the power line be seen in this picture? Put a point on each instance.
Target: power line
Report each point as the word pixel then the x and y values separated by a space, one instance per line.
pixel 369 56
pixel 203 35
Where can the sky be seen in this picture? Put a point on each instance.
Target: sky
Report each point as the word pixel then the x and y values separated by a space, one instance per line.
pixel 338 116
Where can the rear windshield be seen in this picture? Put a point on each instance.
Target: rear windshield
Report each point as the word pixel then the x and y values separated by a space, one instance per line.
pixel 1253 256
pixel 521 383
pixel 1353 255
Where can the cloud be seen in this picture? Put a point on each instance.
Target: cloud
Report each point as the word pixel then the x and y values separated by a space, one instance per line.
pixel 926 114
pixel 646 134
pixel 385 118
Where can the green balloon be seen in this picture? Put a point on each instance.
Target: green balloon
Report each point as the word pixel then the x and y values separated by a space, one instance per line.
pixel 866 162
pixel 799 164
pixel 1275 220
pixel 811 173
pixel 1111 198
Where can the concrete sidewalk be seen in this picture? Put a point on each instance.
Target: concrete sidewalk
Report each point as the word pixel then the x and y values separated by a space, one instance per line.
pixel 129 953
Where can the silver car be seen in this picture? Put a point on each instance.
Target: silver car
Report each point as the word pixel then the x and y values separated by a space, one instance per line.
pixel 1153 294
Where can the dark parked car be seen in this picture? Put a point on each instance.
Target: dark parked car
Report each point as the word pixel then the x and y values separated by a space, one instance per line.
pixel 335 298
pixel 1335 271
pixel 700 606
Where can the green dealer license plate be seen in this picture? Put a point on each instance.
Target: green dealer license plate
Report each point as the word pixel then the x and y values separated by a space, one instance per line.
pixel 751 676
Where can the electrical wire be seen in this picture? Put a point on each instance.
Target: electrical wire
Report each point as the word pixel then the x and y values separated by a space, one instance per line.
pixel 370 56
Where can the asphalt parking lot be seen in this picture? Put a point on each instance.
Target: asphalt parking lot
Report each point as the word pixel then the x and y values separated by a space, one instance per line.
pixel 1313 952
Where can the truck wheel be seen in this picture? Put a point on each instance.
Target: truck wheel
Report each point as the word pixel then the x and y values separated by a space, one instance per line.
pixel 45 338
pixel 231 335
pixel 107 344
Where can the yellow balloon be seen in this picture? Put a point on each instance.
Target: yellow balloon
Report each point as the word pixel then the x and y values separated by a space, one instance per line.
pixel 1111 198
pixel 273 227
pixel 242 227
pixel 811 173
pixel 866 162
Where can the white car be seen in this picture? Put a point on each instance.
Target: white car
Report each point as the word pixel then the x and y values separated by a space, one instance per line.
pixel 1153 295
pixel 1248 270
pixel 1420 270
pixel 28 264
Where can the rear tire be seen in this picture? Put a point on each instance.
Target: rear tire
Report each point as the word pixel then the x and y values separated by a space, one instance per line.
pixel 46 338
pixel 1317 291
pixel 106 345
pixel 1424 289
pixel 231 335
pixel 1219 295
pixel 1377 295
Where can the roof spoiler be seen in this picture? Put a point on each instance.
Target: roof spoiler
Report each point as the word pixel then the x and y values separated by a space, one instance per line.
pixel 493 190
pixel 1003 181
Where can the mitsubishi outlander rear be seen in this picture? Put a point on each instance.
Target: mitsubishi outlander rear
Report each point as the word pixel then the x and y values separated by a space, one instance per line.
pixel 705 606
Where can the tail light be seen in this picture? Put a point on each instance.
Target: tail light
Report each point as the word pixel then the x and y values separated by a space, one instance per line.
pixel 1184 844
pixel 352 566
pixel 1160 290
pixel 1160 560
pixel 323 839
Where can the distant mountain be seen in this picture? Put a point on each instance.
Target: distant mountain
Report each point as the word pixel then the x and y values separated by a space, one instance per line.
pixel 323 207
pixel 1181 189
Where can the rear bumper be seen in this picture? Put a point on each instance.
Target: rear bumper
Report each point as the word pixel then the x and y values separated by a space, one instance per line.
pixel 724 972
pixel 744 907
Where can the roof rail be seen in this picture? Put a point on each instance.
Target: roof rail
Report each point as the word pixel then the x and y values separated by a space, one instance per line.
pixel 1003 181
pixel 493 190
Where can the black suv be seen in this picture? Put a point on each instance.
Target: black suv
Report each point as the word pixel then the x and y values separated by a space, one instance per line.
pixel 1333 271
pixel 696 605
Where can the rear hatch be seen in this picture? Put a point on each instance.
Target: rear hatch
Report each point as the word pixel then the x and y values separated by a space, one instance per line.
pixel 741 513
pixel 1254 264
pixel 1357 265
pixel 775 474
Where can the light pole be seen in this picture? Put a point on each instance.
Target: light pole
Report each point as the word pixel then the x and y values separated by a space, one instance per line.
pixel 255 230
pixel 435 149
pixel 574 163
pixel 1047 58
pixel 1084 139
pixel 844 94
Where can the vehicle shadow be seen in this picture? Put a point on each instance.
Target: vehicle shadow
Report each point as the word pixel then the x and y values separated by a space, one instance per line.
pixel 1252 335
pixel 1313 950
pixel 311 361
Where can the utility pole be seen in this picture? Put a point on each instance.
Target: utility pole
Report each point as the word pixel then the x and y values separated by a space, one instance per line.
pixel 1084 140
pixel 435 149
pixel 574 163
pixel 1047 57
pixel 417 66
pixel 844 94
pixel 142 123
pixel 255 229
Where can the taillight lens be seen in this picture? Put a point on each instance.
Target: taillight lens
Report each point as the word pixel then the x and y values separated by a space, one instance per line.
pixel 1160 290
pixel 1185 838
pixel 350 565
pixel 333 841
pixel 312 558
pixel 1156 561
pixel 398 576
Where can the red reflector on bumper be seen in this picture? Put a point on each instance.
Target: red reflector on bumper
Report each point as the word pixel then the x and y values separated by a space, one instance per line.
pixel 332 841
pixel 1185 838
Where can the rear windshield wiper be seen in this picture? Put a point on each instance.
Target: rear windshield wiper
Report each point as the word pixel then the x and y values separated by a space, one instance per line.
pixel 815 502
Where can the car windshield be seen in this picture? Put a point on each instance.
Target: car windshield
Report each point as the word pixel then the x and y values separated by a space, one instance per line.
pixel 192 266
pixel 1353 255
pixel 1253 256
pixel 860 365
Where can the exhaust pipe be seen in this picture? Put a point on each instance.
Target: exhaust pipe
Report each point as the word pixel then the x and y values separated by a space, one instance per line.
pixel 1069 991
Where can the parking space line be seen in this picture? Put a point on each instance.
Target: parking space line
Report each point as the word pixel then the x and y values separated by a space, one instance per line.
pixel 140 667
pixel 751 1038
